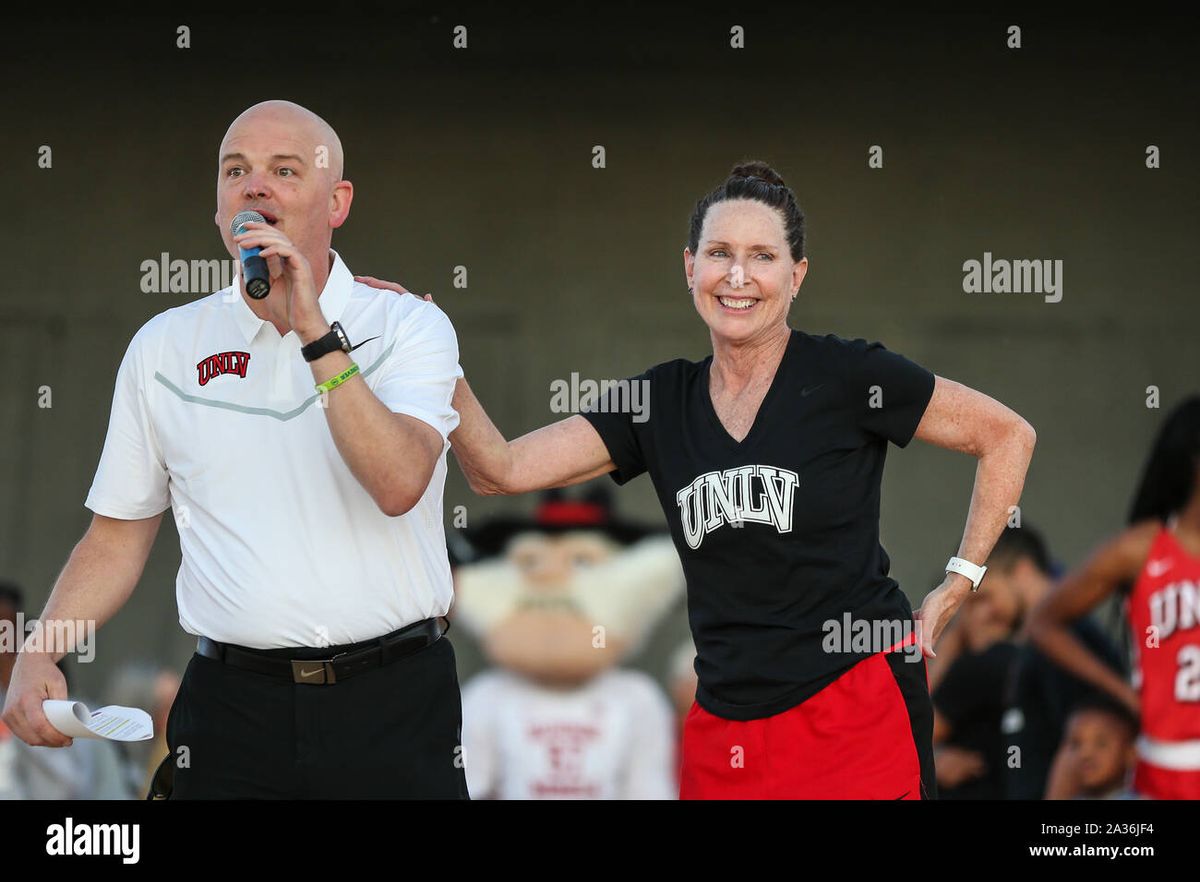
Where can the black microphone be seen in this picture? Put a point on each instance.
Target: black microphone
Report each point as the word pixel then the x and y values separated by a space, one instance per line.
pixel 254 266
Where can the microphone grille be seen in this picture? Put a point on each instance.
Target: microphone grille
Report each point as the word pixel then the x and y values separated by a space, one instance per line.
pixel 243 217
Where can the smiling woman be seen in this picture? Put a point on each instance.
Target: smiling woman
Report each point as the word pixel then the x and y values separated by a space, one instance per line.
pixel 740 240
pixel 767 458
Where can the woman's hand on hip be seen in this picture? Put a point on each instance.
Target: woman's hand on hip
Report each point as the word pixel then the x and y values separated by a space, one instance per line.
pixel 938 609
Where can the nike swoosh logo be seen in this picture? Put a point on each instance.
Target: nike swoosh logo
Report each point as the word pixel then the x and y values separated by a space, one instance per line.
pixel 1157 567
pixel 311 673
pixel 365 342
pixel 808 390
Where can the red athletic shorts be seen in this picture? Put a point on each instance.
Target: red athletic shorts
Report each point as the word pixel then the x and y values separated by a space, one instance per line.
pixel 867 735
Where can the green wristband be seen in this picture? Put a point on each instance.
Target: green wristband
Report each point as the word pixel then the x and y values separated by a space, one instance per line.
pixel 334 382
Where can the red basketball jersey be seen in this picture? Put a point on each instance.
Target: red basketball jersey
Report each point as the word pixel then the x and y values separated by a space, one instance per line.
pixel 1164 614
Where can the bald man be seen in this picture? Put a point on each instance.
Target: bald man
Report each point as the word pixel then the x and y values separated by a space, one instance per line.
pixel 300 441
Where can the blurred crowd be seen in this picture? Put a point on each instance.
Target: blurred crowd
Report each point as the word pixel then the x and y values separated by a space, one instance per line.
pixel 1009 723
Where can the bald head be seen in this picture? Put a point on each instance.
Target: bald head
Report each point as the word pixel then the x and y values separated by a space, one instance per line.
pixel 320 143
pixel 285 162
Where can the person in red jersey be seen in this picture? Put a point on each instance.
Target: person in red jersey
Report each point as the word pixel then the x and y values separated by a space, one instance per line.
pixel 1155 565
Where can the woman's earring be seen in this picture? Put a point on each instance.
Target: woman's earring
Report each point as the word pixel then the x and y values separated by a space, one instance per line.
pixel 690 291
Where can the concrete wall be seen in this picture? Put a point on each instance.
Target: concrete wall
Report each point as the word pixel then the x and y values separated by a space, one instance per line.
pixel 482 158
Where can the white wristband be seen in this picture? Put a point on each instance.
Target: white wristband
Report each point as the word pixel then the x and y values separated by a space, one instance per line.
pixel 968 569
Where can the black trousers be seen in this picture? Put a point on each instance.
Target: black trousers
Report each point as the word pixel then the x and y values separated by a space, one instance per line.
pixel 393 732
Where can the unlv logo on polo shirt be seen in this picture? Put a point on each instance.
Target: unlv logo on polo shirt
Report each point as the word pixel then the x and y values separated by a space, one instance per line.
pixel 223 363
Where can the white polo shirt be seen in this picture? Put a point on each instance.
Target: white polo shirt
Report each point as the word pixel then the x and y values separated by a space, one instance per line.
pixel 216 415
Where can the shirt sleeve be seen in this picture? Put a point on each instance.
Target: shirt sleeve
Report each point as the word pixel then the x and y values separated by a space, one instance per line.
pixel 613 419
pixel 419 377
pixel 131 480
pixel 888 392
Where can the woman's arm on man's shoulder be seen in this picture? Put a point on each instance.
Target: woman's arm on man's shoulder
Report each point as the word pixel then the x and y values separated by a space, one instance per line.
pixel 567 452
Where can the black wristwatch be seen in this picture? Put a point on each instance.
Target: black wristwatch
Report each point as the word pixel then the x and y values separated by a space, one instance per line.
pixel 334 340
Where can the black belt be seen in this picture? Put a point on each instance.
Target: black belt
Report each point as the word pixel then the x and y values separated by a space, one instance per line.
pixel 341 661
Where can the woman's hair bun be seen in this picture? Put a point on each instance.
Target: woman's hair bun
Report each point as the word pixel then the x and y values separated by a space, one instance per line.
pixel 757 169
pixel 757 181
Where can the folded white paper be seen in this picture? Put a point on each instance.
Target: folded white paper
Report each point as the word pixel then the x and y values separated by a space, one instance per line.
pixel 114 722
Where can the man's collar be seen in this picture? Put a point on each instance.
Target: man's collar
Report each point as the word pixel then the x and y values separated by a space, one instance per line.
pixel 333 299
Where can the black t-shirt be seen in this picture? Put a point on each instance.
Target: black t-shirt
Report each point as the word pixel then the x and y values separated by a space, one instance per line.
pixel 777 534
pixel 972 698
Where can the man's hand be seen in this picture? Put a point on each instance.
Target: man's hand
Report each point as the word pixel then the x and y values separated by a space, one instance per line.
pixel 285 262
pixel 99 577
pixel 938 609
pixel 389 286
pixel 35 678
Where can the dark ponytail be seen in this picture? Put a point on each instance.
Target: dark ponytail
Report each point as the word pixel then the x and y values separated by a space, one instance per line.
pixel 1169 474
